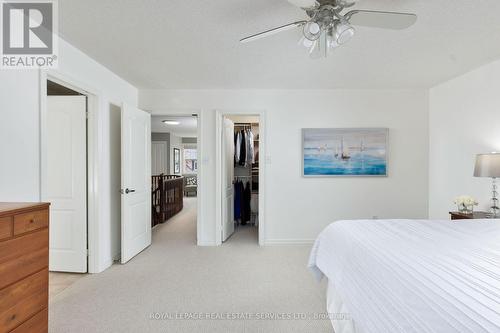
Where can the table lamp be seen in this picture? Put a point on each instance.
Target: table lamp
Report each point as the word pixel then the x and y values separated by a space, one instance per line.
pixel 488 165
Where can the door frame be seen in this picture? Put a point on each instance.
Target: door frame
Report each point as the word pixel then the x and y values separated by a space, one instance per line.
pixel 219 124
pixel 202 160
pixel 93 150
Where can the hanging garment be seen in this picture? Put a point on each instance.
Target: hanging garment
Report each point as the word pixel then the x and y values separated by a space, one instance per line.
pixel 250 151
pixel 255 179
pixel 243 149
pixel 247 197
pixel 237 146
pixel 238 196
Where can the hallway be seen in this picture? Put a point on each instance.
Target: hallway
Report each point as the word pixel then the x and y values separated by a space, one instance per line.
pixel 239 277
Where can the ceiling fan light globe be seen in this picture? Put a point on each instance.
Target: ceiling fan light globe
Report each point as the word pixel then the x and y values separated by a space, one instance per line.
pixel 313 49
pixel 307 43
pixel 312 31
pixel 344 33
pixel 332 44
pixel 313 28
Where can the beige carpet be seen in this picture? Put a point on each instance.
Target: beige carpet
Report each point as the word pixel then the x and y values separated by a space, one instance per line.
pixel 173 277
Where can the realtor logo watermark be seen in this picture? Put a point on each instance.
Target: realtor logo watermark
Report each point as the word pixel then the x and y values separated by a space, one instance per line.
pixel 28 34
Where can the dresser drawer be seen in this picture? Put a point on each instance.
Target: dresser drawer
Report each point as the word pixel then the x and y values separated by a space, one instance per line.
pixel 5 227
pixel 23 299
pixel 22 256
pixel 31 221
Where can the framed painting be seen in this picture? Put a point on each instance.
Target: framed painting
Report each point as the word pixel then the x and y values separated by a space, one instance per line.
pixel 177 161
pixel 348 152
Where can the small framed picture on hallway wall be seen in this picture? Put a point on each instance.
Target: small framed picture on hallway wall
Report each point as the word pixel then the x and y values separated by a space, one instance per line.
pixel 177 161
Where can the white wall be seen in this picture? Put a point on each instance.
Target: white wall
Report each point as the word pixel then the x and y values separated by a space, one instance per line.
pixel 298 208
pixel 464 121
pixel 20 129
pixel 19 136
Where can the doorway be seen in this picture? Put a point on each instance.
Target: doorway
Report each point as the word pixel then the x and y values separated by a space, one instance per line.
pixel 64 182
pixel 240 167
pixel 174 170
pixel 129 229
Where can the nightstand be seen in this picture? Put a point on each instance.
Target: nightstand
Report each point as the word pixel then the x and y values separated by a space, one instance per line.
pixel 475 215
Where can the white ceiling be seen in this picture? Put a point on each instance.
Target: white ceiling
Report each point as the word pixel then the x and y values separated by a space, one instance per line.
pixel 193 44
pixel 186 129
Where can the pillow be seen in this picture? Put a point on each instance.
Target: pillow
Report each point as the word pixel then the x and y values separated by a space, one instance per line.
pixel 192 181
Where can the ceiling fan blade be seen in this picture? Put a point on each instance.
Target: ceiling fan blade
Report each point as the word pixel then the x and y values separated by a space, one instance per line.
pixel 272 31
pixel 303 3
pixel 384 20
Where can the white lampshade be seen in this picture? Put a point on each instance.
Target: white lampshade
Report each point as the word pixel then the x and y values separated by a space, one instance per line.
pixel 487 165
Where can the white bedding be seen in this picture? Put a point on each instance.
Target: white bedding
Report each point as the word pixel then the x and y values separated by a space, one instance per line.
pixel 338 311
pixel 414 275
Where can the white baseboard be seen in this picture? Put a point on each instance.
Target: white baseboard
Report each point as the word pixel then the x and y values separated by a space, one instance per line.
pixel 276 242
pixel 270 242
pixel 206 243
pixel 104 266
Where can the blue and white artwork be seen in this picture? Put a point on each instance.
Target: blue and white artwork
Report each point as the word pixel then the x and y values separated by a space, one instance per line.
pixel 345 152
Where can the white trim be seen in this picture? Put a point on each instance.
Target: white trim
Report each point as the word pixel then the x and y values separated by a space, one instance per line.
pixel 203 243
pixel 219 117
pixel 202 178
pixel 93 153
pixel 280 242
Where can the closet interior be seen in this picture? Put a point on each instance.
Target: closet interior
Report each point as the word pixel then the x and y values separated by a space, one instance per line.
pixel 246 171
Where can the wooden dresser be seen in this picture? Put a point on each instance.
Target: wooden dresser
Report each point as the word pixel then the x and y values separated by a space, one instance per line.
pixel 473 216
pixel 24 267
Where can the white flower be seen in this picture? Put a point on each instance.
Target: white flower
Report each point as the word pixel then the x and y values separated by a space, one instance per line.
pixel 465 200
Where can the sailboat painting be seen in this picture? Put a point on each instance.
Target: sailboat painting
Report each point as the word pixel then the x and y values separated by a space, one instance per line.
pixel 345 151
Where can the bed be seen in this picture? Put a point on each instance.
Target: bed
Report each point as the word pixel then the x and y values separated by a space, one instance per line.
pixel 411 275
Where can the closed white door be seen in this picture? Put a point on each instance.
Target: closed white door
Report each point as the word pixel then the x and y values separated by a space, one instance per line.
pixel 227 179
pixel 136 182
pixel 64 182
pixel 159 153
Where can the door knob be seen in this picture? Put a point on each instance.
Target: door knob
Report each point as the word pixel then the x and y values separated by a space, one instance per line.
pixel 127 191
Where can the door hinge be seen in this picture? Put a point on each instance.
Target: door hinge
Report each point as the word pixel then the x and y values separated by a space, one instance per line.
pixel 87 114
pixel 88 253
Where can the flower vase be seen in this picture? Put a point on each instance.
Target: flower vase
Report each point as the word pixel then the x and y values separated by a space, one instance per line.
pixel 466 209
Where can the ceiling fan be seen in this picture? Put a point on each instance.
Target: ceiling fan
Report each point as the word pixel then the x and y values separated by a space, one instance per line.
pixel 327 27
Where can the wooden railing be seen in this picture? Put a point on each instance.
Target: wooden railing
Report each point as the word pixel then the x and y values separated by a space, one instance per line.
pixel 167 197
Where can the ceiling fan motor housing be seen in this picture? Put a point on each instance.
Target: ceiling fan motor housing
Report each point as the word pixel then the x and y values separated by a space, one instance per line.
pixel 326 17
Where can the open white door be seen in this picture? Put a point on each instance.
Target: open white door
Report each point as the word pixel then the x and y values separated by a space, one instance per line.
pixel 136 182
pixel 227 179
pixel 64 182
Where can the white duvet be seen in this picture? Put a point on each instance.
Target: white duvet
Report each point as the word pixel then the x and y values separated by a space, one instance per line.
pixel 414 275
